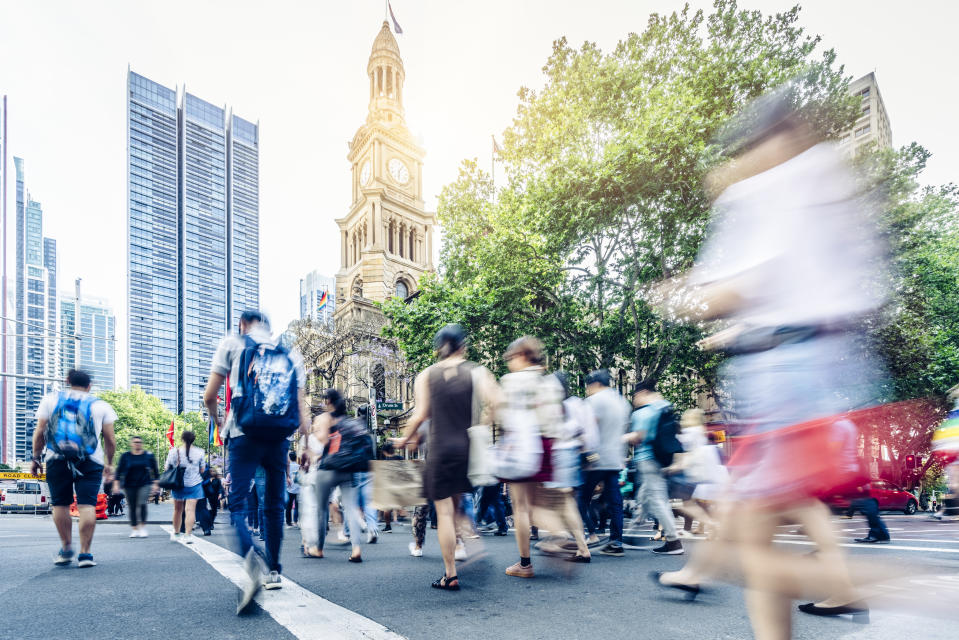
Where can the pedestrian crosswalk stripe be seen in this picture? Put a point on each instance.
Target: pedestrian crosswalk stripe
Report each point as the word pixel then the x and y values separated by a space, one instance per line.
pixel 303 613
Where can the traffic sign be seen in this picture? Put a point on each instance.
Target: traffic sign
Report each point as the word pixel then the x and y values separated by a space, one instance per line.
pixel 17 475
pixel 389 406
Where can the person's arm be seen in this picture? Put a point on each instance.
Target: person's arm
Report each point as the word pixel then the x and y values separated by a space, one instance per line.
pixel 210 396
pixel 39 443
pixel 492 394
pixel 421 396
pixel 305 423
pixel 638 433
pixel 121 472
pixel 109 448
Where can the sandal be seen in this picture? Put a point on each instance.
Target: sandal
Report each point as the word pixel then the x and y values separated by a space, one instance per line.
pixel 447 583
pixel 356 558
pixel 312 552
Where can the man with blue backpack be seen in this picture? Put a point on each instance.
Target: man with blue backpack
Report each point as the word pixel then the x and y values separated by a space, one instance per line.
pixel 70 424
pixel 267 407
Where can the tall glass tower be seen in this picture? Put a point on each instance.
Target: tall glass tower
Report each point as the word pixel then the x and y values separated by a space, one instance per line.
pixel 193 243
pixel 94 352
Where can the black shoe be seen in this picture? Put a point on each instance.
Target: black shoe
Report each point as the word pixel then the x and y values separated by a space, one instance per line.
pixel 859 613
pixel 691 590
pixel 387 529
pixel 671 548
pixel 501 533
pixel 578 558
pixel 207 532
pixel 612 550
pixel 871 540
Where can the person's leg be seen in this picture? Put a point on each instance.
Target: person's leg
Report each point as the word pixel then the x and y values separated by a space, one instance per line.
pixel 86 525
pixel 432 514
pixel 274 463
pixel 350 495
pixel 260 487
pixel 446 533
pixel 324 482
pixel 296 507
pixel 520 496
pixel 657 497
pixel 190 509
pixel 241 464
pixel 133 504
pixel 499 512
pixel 573 523
pixel 143 497
pixel 177 515
pixel 877 528
pixel 613 498
pixel 585 497
pixel 64 524
pixel 364 485
pixel 288 509
pixel 420 516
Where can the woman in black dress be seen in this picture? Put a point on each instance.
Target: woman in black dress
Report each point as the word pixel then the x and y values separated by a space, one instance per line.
pixel 444 395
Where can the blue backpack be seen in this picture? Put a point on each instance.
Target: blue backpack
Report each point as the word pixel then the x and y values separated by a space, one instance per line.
pixel 71 433
pixel 267 408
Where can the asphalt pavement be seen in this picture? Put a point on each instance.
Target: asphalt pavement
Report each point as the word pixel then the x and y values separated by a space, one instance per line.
pixel 154 588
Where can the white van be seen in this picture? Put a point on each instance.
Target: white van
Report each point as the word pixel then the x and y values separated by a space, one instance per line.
pixel 26 496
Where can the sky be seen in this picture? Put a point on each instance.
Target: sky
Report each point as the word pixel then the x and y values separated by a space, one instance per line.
pixel 299 68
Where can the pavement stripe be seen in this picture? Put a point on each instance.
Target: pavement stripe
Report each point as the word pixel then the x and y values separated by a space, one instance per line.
pixel 303 613
pixel 875 546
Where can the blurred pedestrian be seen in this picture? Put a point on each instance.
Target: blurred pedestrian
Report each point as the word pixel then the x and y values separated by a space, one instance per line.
pixel 185 499
pixel 70 425
pixel 444 394
pixel 214 492
pixel 268 405
pixel 292 492
pixel 136 475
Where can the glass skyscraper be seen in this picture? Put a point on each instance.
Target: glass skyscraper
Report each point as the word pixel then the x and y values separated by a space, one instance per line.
pixel 193 172
pixel 95 351
pixel 36 314
pixel 318 298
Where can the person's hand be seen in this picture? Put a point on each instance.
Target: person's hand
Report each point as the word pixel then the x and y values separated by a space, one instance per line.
pixel 403 443
pixel 116 486
pixel 35 468
pixel 155 489
pixel 721 339
pixel 107 474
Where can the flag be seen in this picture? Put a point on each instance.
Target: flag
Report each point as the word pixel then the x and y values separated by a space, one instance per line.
pixel 215 434
pixel 496 148
pixel 322 302
pixel 396 25
pixel 169 435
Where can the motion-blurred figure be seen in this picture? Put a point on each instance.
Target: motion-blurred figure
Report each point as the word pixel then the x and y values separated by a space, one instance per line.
pixel 793 265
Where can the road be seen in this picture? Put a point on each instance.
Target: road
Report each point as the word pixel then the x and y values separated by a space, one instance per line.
pixel 152 588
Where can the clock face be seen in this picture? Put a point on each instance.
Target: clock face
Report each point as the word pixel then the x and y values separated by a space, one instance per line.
pixel 399 171
pixel 365 173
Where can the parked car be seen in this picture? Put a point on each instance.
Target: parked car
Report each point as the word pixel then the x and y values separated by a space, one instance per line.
pixel 28 496
pixel 887 495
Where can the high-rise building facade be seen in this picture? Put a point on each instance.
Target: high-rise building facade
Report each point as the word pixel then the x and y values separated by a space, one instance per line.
pixel 7 385
pixel 94 348
pixel 872 126
pixel 318 298
pixel 193 210
pixel 37 348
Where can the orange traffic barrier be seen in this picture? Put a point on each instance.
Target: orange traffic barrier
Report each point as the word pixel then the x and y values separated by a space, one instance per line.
pixel 101 507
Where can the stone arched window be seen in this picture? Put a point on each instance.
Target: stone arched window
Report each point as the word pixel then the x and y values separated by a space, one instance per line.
pixel 402 290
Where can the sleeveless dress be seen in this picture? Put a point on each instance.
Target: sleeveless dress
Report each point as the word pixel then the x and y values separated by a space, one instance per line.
pixel 451 411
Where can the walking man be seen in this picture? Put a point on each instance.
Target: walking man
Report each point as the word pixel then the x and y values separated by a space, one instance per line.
pixel 69 429
pixel 267 407
pixel 612 417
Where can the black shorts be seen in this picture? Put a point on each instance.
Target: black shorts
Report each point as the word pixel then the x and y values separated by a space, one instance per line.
pixel 63 485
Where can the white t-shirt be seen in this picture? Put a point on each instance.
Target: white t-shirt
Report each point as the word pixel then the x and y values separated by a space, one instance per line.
pixel 293 487
pixel 226 362
pixel 194 464
pixel 101 412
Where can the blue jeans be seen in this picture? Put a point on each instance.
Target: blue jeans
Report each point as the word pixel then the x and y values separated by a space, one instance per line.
pixel 870 508
pixel 491 498
pixel 611 496
pixel 363 481
pixel 244 457
pixel 259 482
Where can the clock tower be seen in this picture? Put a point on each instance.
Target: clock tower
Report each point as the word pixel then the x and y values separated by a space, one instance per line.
pixel 386 238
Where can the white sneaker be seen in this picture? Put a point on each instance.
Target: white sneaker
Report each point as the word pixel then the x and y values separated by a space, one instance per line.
pixel 144 533
pixel 371 536
pixel 188 538
pixel 460 553
pixel 254 574
pixel 135 534
pixel 416 552
pixel 342 538
pixel 682 533
pixel 175 537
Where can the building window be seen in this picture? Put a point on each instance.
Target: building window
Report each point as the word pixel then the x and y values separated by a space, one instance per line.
pixel 861 131
pixel 402 291
pixel 865 111
pixel 864 93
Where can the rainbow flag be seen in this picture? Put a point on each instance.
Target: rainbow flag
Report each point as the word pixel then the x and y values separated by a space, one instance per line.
pixel 215 434
pixel 322 302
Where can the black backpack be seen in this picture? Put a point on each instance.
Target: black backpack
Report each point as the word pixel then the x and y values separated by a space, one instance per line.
pixel 356 448
pixel 665 444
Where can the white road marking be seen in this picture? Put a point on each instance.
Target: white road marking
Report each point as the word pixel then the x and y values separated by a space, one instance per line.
pixel 880 546
pixel 303 613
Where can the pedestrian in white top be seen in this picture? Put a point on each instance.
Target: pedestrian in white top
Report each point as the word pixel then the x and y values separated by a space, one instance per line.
pixel 185 499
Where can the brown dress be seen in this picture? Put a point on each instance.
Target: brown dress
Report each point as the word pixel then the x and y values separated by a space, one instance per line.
pixel 451 411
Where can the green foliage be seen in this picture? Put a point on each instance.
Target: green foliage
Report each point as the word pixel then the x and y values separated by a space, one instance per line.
pixel 141 414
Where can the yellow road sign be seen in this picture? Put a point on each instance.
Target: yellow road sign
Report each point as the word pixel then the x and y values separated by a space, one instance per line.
pixel 17 475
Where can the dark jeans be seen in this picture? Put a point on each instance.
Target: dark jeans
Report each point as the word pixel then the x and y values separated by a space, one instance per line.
pixel 137 498
pixel 611 496
pixel 870 508
pixel 245 456
pixel 492 498
pixel 214 502
pixel 292 508
pixel 259 484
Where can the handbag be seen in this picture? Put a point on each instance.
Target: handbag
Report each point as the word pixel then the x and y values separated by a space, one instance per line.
pixel 397 484
pixel 172 477
pixel 480 470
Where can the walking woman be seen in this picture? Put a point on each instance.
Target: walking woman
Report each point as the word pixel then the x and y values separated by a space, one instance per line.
pixel 534 401
pixel 319 484
pixel 137 474
pixel 444 395
pixel 185 499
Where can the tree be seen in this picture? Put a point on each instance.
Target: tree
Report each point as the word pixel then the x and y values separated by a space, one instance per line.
pixel 141 414
pixel 602 198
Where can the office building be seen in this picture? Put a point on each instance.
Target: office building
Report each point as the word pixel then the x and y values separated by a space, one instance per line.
pixel 37 347
pixel 193 216
pixel 318 298
pixel 872 126
pixel 6 346
pixel 94 348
